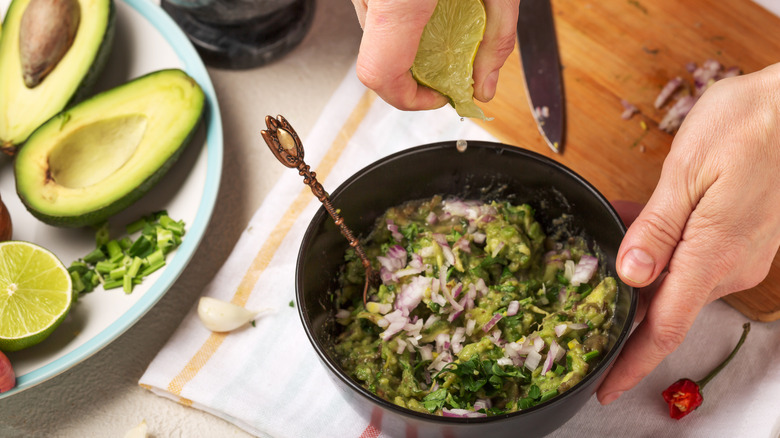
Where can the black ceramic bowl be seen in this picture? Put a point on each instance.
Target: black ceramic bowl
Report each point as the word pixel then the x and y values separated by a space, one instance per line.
pixel 486 171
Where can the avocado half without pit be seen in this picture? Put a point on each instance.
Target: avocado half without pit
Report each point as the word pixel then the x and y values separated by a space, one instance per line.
pixel 90 162
pixel 51 53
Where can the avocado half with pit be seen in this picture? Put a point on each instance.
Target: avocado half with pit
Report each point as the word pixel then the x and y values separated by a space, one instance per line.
pixel 98 157
pixel 70 76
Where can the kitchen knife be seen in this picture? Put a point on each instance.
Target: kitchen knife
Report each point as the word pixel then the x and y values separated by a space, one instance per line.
pixel 542 69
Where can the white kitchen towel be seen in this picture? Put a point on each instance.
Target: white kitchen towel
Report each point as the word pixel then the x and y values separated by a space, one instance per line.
pixel 268 380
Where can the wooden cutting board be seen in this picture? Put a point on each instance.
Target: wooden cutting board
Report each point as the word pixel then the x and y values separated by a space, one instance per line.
pixel 628 49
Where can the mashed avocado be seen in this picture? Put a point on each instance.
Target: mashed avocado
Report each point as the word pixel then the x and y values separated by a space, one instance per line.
pixel 479 312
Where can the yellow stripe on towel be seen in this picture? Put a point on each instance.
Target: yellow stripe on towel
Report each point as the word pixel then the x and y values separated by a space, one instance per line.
pixel 271 245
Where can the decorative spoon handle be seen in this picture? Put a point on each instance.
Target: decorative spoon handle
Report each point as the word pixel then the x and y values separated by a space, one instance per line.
pixel 288 149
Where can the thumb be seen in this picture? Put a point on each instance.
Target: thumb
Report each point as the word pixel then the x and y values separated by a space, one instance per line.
pixel 653 236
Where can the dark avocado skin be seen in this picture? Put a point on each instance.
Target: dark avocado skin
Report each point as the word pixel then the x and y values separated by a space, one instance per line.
pixel 87 82
pixel 28 157
pixel 101 60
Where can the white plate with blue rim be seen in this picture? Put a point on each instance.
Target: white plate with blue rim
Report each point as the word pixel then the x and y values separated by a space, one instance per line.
pixel 146 40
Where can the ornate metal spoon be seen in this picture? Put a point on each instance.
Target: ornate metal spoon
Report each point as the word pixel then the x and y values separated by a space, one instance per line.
pixel 288 149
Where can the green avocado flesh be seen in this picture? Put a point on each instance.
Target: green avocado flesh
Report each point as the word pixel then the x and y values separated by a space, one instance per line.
pixel 95 159
pixel 24 109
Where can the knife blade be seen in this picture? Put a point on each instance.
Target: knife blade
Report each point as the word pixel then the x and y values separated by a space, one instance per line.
pixel 542 69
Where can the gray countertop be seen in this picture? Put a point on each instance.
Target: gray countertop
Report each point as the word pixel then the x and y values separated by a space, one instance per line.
pixel 100 397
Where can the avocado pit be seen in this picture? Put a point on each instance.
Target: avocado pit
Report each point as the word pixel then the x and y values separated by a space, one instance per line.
pixel 46 32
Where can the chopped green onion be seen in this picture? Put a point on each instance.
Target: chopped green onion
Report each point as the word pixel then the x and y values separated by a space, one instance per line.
pixel 591 355
pixel 117 273
pixel 136 226
pixel 113 249
pixel 127 284
pixel 155 257
pixel 132 271
pixel 78 285
pixel 152 267
pixel 124 262
pixel 125 243
pixel 102 235
pixel 113 284
pixel 142 247
pixel 78 267
pixel 105 266
pixel 95 256
pixel 548 395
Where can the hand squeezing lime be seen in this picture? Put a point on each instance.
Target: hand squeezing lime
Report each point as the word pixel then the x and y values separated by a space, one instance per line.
pixel 445 56
pixel 35 294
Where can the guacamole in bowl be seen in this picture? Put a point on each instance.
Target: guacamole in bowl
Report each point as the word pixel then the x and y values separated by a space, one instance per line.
pixel 500 310
pixel 479 312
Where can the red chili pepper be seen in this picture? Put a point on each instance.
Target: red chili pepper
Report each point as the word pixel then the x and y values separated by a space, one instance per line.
pixel 684 395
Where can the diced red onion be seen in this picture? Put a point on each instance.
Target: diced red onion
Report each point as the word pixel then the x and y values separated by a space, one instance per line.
pixel 394 230
pixel 470 326
pixel 457 290
pixel 461 413
pixel 482 403
pixel 538 343
pixel 548 363
pixel 705 75
pixel 562 295
pixel 512 308
pixel 448 255
pixel 557 351
pixel 489 325
pixel 401 346
pixel 454 315
pixel 676 114
pixel 426 352
pixel 463 245
pixel 413 329
pixel 495 337
pixel 397 321
pixel 584 270
pixel 532 360
pixel 457 339
pixel 669 89
pixel 442 341
pixel 395 258
pixel 497 249
pixel 482 287
pixel 629 109
pixel 433 319
pixel 440 361
pixel 411 294
pixel 560 329
pixel 479 238
pixel 431 218
pixel 578 326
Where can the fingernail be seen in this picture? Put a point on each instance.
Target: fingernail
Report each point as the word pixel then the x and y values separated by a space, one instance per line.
pixel 637 266
pixel 609 398
pixel 489 85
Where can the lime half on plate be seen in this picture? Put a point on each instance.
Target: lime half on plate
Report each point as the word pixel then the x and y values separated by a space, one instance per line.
pixel 35 294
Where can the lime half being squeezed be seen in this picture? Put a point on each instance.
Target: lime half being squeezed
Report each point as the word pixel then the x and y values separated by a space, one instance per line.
pixel 445 56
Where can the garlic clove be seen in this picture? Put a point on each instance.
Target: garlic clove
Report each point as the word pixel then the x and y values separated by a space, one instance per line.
pixel 138 431
pixel 222 316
